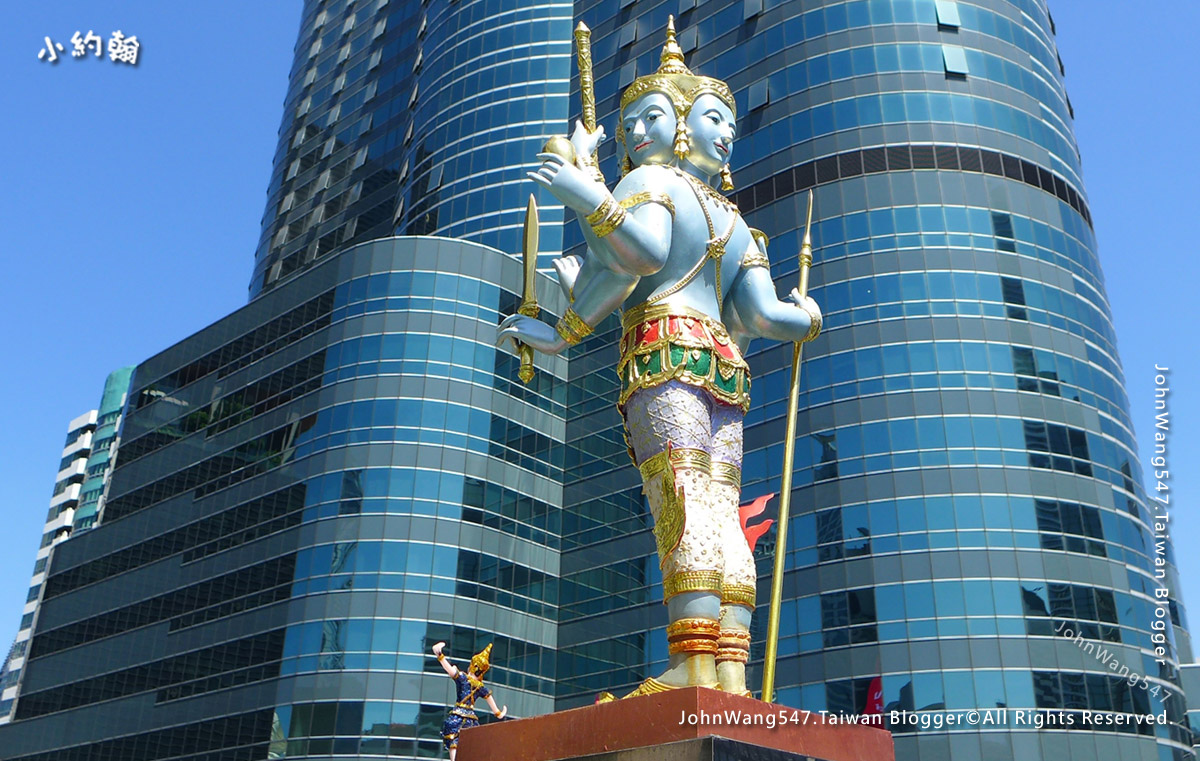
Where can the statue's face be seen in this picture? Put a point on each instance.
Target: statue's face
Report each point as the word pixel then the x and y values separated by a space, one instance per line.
pixel 713 130
pixel 649 127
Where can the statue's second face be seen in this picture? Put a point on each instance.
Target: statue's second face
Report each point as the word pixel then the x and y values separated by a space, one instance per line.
pixel 649 126
pixel 713 130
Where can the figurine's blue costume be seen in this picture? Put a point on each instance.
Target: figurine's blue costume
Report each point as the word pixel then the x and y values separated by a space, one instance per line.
pixel 462 715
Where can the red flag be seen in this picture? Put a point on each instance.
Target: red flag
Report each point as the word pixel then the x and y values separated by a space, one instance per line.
pixel 750 510
pixel 875 696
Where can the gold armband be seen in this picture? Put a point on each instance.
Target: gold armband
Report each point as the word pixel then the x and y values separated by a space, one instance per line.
pixel 758 256
pixel 607 217
pixel 677 457
pixel 755 258
pixel 691 581
pixel 726 473
pixel 738 594
pixel 572 328
pixel 637 199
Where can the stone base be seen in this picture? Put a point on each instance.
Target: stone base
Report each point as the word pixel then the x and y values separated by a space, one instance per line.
pixel 692 724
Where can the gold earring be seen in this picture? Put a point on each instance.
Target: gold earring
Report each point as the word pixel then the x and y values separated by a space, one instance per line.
pixel 726 178
pixel 626 165
pixel 682 140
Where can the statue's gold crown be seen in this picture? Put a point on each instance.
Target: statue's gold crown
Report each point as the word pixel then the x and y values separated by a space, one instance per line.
pixel 675 80
pixel 482 661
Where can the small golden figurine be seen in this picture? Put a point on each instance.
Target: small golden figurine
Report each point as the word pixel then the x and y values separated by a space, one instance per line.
pixel 468 688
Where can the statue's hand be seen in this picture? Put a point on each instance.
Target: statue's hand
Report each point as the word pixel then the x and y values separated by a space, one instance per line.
pixel 503 713
pixel 531 332
pixel 574 188
pixel 586 142
pixel 437 649
pixel 806 303
pixel 567 268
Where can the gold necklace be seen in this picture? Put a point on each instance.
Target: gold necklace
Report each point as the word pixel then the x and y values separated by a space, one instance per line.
pixel 704 188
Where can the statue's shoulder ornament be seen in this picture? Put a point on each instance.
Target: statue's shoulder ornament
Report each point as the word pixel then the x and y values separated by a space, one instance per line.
pixel 756 256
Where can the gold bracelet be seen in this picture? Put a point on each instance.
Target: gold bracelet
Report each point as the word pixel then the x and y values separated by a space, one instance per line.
pixel 441 656
pixel 692 645
pixel 733 645
pixel 603 210
pixel 572 328
pixel 814 329
pixel 693 627
pixel 611 222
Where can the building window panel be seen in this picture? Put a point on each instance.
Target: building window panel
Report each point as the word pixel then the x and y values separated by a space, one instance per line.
pixel 947 14
pixel 760 94
pixel 955 60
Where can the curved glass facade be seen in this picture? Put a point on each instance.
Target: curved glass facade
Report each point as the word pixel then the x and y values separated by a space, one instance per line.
pixel 967 483
pixel 415 119
pixel 311 493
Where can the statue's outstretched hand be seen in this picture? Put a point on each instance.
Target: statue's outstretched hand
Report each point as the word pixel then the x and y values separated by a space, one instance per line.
pixel 437 649
pixel 574 188
pixel 586 142
pixel 531 332
pixel 806 303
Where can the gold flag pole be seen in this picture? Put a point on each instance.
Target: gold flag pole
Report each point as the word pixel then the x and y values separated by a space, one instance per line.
pixel 785 486
pixel 529 306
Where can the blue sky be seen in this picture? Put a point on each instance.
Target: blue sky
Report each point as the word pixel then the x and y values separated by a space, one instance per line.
pixel 132 197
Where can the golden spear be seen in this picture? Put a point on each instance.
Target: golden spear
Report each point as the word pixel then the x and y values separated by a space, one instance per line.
pixel 785 485
pixel 529 306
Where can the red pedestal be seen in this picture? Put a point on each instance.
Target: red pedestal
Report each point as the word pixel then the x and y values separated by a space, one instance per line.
pixel 671 717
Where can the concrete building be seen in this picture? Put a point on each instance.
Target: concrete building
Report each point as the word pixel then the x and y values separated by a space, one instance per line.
pixel 78 490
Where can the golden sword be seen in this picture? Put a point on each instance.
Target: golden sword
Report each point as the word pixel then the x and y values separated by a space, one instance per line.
pixel 785 485
pixel 529 306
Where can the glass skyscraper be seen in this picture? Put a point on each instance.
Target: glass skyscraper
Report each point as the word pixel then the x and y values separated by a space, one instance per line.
pixel 315 489
pixel 967 480
pixel 309 493
pixel 414 119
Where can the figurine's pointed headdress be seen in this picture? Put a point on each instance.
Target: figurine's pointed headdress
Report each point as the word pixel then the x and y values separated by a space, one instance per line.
pixel 482 661
pixel 675 80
